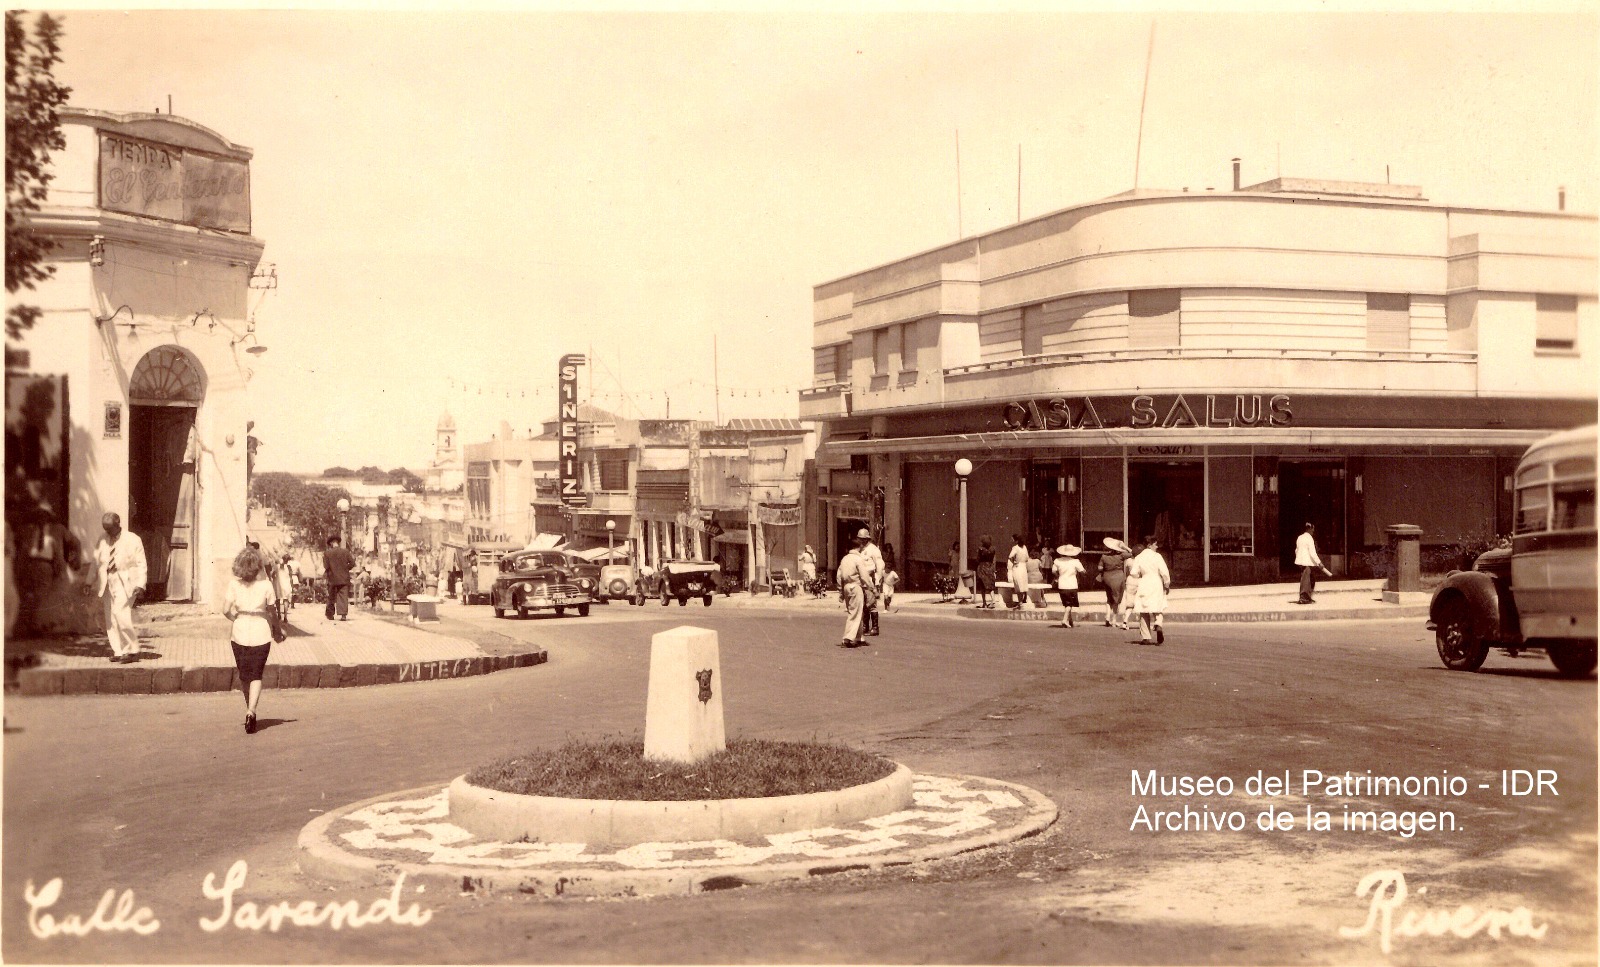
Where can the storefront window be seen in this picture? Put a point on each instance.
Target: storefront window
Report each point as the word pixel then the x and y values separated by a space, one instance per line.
pixel 1232 512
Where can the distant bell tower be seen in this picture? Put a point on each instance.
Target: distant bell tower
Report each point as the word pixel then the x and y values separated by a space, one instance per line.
pixel 444 447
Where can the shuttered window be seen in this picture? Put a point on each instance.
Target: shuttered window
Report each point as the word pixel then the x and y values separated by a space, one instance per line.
pixel 1557 325
pixel 881 343
pixel 1388 320
pixel 1153 318
pixel 1032 330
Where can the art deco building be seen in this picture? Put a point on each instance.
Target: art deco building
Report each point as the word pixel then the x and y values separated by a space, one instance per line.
pixel 1215 368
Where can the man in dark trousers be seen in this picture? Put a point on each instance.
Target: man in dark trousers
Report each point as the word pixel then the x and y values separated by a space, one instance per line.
pixel 336 567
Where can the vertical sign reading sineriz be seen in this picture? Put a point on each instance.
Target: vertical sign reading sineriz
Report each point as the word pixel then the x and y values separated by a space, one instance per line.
pixel 567 430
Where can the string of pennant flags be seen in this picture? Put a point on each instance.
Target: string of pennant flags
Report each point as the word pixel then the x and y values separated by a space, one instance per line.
pixel 535 391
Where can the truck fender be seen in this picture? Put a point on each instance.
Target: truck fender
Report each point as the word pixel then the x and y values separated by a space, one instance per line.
pixel 1483 600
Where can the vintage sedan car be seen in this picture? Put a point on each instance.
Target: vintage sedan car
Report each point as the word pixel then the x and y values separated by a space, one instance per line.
pixel 537 580
pixel 678 579
pixel 616 581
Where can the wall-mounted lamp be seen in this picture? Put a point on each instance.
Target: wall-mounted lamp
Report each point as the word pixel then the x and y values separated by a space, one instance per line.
pixel 1261 483
pixel 1072 484
pixel 211 326
pixel 1358 483
pixel 1507 483
pixel 1022 484
pixel 1272 483
pixel 102 320
pixel 97 250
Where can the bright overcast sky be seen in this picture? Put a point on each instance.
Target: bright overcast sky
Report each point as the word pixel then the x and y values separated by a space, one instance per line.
pixel 454 200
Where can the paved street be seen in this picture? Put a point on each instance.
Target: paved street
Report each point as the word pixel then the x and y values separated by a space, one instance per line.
pixel 152 793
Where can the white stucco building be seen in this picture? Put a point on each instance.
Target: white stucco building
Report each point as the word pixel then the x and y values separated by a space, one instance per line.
pixel 1217 368
pixel 147 320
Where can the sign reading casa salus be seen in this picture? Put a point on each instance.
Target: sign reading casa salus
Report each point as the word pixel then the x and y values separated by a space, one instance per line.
pixel 567 430
pixel 1087 413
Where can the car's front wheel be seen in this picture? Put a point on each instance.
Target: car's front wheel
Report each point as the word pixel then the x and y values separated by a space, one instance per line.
pixel 583 611
pixel 560 610
pixel 707 600
pixel 666 598
pixel 1572 659
pixel 1460 647
pixel 499 612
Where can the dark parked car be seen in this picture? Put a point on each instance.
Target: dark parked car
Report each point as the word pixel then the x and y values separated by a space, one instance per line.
pixel 535 580
pixel 679 579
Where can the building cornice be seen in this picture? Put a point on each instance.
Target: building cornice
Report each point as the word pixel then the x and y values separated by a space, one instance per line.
pixel 151 127
pixel 82 224
pixel 1168 197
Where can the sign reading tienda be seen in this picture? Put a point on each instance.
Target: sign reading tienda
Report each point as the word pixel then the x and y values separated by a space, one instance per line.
pixel 173 183
pixel 1083 413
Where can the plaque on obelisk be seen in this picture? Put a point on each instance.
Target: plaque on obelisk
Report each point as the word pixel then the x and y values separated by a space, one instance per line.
pixel 683 714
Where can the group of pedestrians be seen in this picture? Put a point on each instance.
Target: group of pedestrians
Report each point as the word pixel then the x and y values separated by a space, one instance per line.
pixel 1136 582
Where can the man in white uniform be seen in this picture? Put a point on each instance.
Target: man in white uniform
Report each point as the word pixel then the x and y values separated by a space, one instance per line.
pixel 120 559
pixel 1306 559
pixel 854 575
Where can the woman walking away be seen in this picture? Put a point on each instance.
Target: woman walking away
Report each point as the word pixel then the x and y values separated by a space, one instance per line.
pixel 251 604
pixel 1017 570
pixel 985 558
pixel 1150 600
pixel 1067 570
pixel 284 586
pixel 1113 574
pixel 1130 590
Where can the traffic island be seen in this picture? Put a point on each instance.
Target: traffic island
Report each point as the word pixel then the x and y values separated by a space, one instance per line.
pixel 682 811
pixel 412 833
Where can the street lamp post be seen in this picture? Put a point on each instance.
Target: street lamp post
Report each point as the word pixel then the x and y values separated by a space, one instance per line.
pixel 963 468
pixel 611 528
pixel 344 520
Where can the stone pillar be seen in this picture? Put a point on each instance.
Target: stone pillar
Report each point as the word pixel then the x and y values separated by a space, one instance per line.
pixel 683 713
pixel 1405 541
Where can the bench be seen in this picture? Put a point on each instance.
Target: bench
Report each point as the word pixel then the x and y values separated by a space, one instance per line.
pixel 783 584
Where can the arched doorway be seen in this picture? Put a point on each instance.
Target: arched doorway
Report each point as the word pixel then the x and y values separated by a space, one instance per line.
pixel 164 395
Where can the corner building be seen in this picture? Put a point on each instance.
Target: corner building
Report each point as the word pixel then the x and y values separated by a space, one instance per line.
pixel 1217 369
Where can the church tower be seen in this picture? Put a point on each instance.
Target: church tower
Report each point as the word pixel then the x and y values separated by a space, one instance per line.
pixel 444 447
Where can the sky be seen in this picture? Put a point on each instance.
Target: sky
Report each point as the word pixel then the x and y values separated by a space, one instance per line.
pixel 454 200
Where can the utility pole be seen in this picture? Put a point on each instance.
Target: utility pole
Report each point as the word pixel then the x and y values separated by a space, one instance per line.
pixel 716 383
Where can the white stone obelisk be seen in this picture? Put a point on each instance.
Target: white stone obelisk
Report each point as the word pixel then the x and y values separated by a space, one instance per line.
pixel 683 714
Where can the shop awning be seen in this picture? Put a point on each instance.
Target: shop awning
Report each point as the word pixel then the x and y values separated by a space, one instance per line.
pixel 620 552
pixel 733 537
pixel 544 542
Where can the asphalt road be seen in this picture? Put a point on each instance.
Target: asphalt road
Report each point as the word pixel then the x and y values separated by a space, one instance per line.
pixel 152 793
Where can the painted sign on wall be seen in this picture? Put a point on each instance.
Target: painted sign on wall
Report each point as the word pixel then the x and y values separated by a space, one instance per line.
pixel 173 183
pixel 567 431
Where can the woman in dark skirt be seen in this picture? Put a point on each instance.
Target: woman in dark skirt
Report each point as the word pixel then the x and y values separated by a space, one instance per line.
pixel 251 604
pixel 985 558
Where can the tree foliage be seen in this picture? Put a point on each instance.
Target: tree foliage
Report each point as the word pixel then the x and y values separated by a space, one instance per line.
pixel 309 511
pixel 33 130
pixel 340 472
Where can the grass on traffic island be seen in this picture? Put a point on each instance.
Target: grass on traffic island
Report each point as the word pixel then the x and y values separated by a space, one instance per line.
pixel 747 769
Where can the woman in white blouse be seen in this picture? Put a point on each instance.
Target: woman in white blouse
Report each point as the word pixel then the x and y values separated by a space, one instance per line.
pixel 251 604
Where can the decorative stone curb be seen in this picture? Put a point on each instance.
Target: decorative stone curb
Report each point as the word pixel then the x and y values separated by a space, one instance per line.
pixel 372 842
pixel 492 814
pixel 160 680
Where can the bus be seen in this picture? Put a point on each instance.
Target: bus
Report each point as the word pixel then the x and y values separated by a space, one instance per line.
pixel 1539 593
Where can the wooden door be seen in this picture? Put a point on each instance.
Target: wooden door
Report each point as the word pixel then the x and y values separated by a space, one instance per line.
pixel 162 455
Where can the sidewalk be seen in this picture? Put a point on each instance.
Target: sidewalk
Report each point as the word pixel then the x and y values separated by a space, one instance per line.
pixel 1335 600
pixel 185 649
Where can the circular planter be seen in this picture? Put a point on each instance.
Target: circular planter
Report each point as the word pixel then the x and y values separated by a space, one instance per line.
pixel 510 817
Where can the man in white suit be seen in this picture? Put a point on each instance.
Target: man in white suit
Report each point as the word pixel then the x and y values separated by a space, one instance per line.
pixel 120 559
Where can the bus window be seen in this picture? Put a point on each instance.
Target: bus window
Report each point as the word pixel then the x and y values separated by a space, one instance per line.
pixel 1574 505
pixel 1533 509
